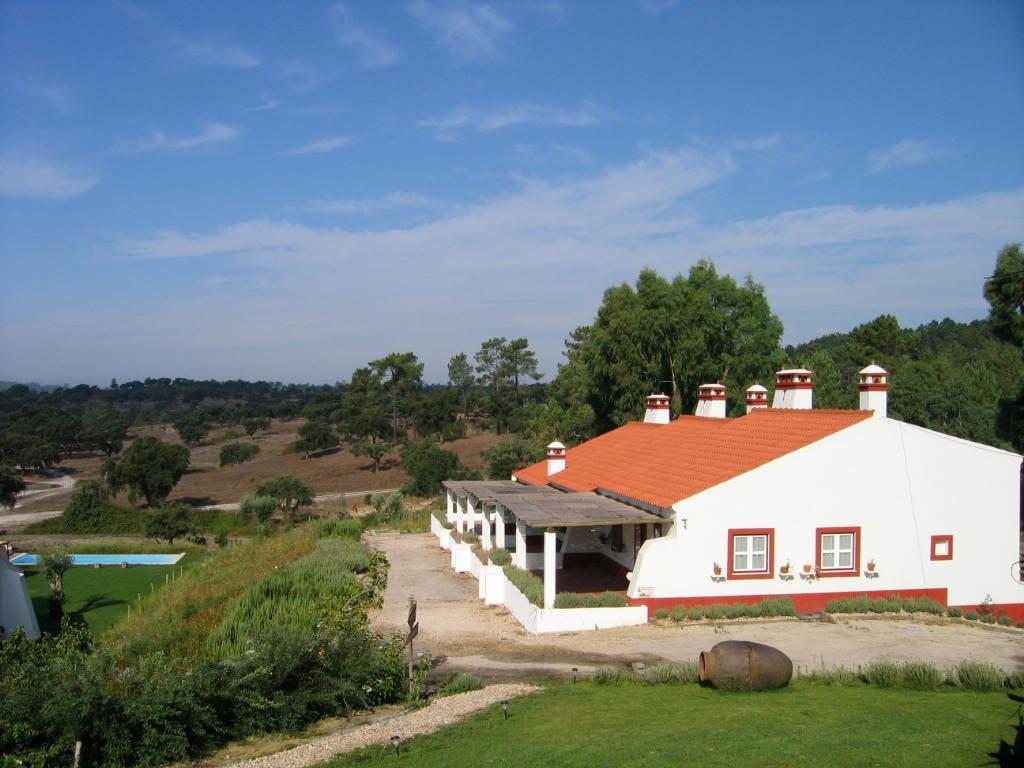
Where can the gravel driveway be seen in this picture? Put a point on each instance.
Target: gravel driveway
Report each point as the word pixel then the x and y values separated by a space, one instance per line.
pixel 488 641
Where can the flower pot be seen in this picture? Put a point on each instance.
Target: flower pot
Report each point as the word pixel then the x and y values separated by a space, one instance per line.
pixel 871 566
pixel 784 569
pixel 718 570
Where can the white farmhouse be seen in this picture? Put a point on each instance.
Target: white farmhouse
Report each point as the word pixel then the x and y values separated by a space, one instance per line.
pixel 785 501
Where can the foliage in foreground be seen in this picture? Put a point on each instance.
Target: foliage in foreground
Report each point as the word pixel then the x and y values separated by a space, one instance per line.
pixel 462 682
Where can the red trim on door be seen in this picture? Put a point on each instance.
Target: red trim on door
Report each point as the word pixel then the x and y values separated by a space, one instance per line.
pixel 770 533
pixel 948 539
pixel 833 572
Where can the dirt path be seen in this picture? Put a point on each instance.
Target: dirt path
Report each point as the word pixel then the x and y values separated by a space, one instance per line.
pixel 487 640
pixel 437 714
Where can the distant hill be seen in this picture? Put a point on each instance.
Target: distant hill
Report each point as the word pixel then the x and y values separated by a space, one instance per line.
pixel 34 386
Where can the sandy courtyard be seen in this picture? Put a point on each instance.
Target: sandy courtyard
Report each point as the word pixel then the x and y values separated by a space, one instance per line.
pixel 454 623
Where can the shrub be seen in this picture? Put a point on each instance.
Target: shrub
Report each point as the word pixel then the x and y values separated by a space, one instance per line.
pixel 779 606
pixel 832 676
pixel 463 682
pixel 882 673
pixel 954 612
pixel 695 613
pixel 471 537
pixel 661 613
pixel 259 508
pixel 612 600
pixel 607 676
pixel 428 465
pixel 987 618
pixel 977 676
pixel 91 511
pixel 1006 621
pixel 921 675
pixel 169 522
pixel 500 557
pixel 238 453
pixel 972 616
pixel 667 672
pixel 714 612
pixel 350 528
pixel 530 585
pixel 1020 625
pixel 575 600
pixel 679 613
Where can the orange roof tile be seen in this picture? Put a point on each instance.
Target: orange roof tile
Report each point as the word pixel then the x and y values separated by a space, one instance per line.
pixel 662 464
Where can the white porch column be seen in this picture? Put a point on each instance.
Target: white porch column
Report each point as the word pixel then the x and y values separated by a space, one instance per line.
pixel 499 526
pixel 460 514
pixel 471 513
pixel 485 531
pixel 520 557
pixel 550 566
pixel 451 505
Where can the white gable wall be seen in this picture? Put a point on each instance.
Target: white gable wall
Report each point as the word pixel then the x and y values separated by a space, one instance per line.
pixel 900 484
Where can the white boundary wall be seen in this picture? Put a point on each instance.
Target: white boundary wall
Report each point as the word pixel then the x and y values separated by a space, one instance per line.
pixel 496 589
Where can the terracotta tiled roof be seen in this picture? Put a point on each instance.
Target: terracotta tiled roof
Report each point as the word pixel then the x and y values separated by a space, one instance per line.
pixel 663 464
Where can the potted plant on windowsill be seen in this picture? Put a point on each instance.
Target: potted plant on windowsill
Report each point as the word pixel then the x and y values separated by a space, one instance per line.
pixel 717 569
pixel 808 569
pixel 871 566
pixel 785 568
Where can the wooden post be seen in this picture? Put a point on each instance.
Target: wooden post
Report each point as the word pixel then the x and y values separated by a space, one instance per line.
pixel 414 629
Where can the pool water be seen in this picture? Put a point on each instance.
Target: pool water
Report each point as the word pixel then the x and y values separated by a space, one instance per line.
pixel 171 559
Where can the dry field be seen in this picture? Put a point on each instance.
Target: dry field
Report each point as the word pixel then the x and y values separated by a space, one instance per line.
pixel 206 482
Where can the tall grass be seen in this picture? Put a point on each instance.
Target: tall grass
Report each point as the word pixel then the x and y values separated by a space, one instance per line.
pixel 462 682
pixel 295 597
pixel 529 584
pixel 584 600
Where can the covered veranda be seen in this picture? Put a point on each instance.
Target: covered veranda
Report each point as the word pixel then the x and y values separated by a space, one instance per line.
pixel 505 505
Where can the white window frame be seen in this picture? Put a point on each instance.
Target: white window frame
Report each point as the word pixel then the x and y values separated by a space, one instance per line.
pixel 750 552
pixel 837 551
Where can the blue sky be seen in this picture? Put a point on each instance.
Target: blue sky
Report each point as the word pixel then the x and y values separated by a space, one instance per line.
pixel 287 190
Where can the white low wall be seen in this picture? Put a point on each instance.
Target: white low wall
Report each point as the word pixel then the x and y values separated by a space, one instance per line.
pixel 496 589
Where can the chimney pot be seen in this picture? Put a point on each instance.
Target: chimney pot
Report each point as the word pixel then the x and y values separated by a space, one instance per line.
pixel 794 388
pixel 873 383
pixel 658 409
pixel 556 458
pixel 757 397
pixel 711 401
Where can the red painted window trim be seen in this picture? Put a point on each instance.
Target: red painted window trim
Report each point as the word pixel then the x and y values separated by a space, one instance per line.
pixel 831 573
pixel 770 533
pixel 948 538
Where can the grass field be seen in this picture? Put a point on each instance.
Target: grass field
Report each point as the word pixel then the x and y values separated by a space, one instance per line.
pixel 628 725
pixel 100 596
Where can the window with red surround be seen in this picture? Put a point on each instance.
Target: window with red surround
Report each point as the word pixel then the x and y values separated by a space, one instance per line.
pixel 751 553
pixel 837 551
pixel 942 547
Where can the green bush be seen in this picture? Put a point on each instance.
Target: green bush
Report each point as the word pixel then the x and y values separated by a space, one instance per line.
pixel 972 616
pixel 471 537
pixel 1020 625
pixel 350 528
pixel 238 453
pixel 954 612
pixel 661 613
pixel 463 682
pixel 1006 621
pixel 695 613
pixel 987 618
pixel 714 612
pixel 575 600
pixel 607 676
pixel 91 511
pixel 530 585
pixel 259 508
pixel 977 676
pixel 778 606
pixel 882 673
pixel 667 672
pixel 679 613
pixel 612 600
pixel 500 557
pixel 428 465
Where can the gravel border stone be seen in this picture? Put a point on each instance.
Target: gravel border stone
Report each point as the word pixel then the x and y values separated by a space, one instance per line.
pixel 439 713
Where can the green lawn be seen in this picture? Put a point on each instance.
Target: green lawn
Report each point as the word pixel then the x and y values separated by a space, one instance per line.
pixel 680 725
pixel 101 596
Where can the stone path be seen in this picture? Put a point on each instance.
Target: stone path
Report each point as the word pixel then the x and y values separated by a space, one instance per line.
pixel 437 714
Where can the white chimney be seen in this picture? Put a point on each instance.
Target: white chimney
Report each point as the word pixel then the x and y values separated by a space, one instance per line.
pixel 874 390
pixel 711 401
pixel 556 458
pixel 757 397
pixel 658 410
pixel 794 388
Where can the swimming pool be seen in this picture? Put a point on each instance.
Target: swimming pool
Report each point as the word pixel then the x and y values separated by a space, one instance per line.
pixel 30 559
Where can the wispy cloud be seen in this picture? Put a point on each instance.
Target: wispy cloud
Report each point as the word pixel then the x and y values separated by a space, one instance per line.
pixel 906 152
pixel 209 133
pixel 370 47
pixel 370 205
pixel 496 118
pixel 54 95
pixel 215 55
pixel 24 176
pixel 466 30
pixel 758 144
pixel 320 146
pixel 266 105
pixel 657 6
